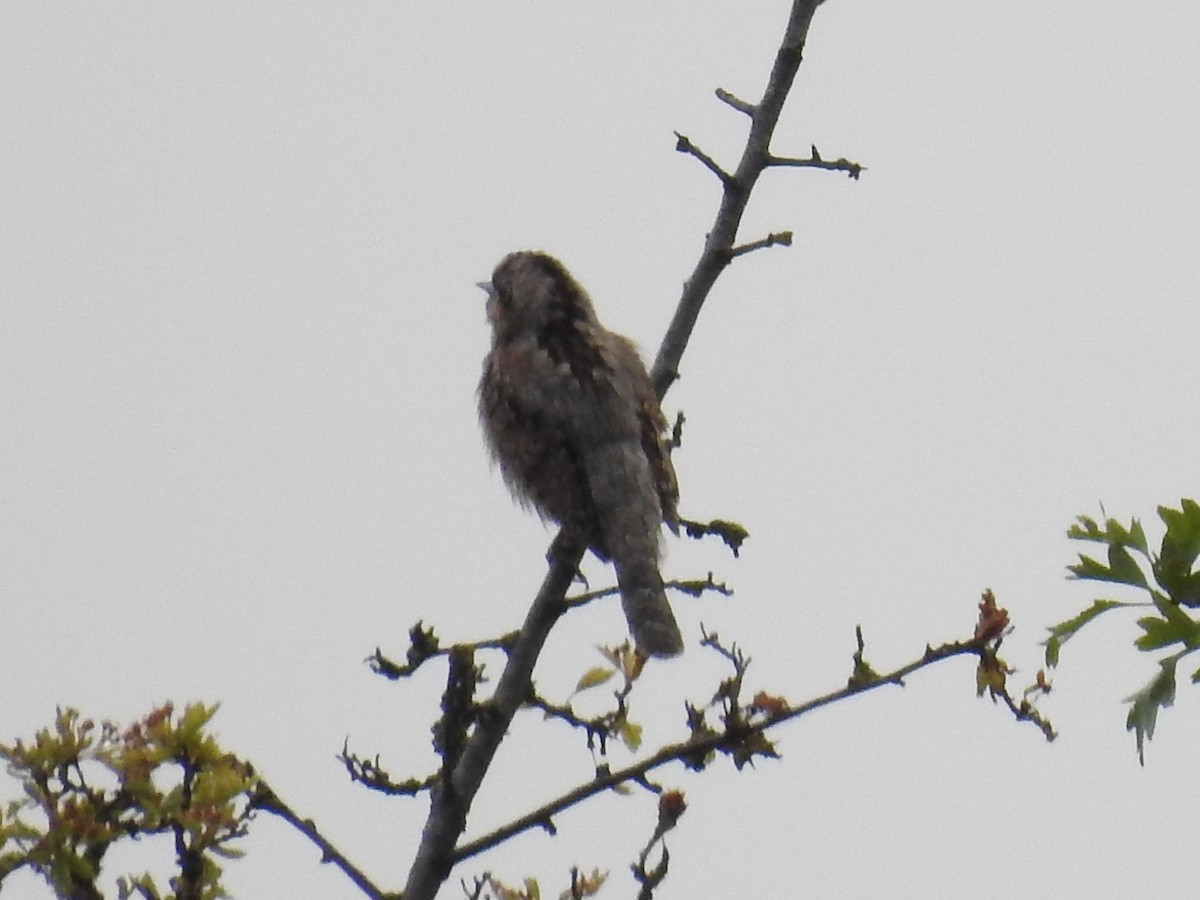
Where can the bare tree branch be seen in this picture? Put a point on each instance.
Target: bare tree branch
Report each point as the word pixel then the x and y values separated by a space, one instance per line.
pixel 735 193
pixel 451 800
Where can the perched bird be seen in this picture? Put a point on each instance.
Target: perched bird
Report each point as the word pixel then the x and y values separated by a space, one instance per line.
pixel 572 418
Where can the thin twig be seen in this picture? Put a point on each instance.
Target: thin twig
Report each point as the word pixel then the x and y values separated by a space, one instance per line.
pixel 778 238
pixel 684 144
pixel 268 801
pixel 815 161
pixel 737 103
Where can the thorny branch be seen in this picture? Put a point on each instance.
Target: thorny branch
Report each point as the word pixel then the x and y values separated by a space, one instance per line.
pixel 452 800
pixel 736 188
pixel 741 731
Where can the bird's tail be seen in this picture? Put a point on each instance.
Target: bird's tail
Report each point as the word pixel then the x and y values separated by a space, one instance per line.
pixel 647 611
pixel 630 518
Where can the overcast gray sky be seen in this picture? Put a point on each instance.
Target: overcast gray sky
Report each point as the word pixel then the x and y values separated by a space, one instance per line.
pixel 240 342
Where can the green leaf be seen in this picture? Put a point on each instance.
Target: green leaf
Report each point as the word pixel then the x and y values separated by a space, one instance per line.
pixel 195 717
pixel 226 851
pixel 593 677
pixel 1125 568
pixel 1088 569
pixel 1143 714
pixel 1121 568
pixel 1086 529
pixel 1137 538
pixel 1113 533
pixel 1173 569
pixel 1161 633
pixel 1064 631
pixel 1183 525
pixel 630 734
pixel 1052 644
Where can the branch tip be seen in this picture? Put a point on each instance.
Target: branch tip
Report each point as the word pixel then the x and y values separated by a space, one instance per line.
pixel 737 103
pixel 683 144
pixel 775 239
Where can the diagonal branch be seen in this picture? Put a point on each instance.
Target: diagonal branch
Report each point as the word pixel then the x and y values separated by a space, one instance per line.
pixel 268 801
pixel 451 801
pixel 699 747
pixel 735 192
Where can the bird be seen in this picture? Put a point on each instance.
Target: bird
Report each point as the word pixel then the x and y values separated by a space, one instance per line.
pixel 570 415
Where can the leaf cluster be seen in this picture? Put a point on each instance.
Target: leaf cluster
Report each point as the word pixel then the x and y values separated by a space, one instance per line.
pixel 87 786
pixel 1171 582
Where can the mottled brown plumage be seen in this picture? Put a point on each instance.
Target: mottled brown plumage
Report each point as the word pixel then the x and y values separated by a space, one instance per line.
pixel 572 418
